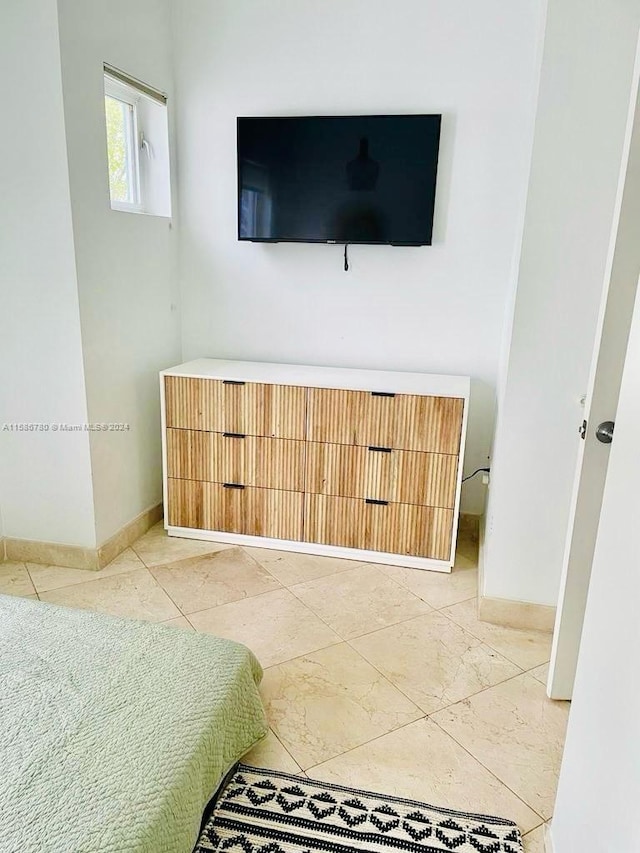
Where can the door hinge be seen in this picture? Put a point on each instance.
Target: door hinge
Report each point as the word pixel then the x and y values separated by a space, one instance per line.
pixel 583 430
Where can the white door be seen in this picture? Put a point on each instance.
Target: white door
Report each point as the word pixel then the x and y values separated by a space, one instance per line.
pixel 596 809
pixel 601 404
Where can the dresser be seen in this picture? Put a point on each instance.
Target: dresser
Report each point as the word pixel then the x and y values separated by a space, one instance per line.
pixel 360 464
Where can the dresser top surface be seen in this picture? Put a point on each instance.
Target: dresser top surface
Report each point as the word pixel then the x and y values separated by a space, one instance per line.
pixel 431 384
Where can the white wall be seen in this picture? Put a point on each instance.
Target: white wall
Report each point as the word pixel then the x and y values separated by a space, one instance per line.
pixel 126 262
pixel 437 309
pixel 46 476
pixel 580 127
pixel 597 804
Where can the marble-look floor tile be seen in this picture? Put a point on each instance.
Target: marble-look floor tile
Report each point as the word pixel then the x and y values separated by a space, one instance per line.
pixel 15 580
pixel 276 626
pixel 466 552
pixel 179 622
pixel 135 595
pixel 534 840
pixel 329 701
pixel 156 548
pixel 358 601
pixel 291 568
pixel 53 577
pixel 525 648
pixel 434 661
pixel 128 557
pixel 421 762
pixel 517 733
pixel 209 580
pixel 271 755
pixel 541 673
pixel 464 563
pixel 438 589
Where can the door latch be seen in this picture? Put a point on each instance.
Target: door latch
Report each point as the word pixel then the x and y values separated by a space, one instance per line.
pixel 583 430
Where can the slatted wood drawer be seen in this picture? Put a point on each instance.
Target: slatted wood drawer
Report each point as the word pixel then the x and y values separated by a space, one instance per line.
pixel 400 421
pixel 255 512
pixel 392 528
pixel 273 463
pixel 401 476
pixel 250 408
pixel 373 471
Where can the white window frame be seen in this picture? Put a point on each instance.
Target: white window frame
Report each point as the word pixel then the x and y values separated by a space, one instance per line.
pixel 130 96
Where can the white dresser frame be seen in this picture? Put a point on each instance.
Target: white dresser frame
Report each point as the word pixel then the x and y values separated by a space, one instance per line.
pixel 427 384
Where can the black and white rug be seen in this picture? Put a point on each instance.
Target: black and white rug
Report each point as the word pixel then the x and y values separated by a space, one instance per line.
pixel 264 811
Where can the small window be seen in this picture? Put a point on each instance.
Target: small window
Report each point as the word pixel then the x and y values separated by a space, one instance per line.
pixel 122 149
pixel 137 145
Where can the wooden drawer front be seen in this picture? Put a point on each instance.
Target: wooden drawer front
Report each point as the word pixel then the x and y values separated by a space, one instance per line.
pixel 402 476
pixel 186 503
pixel 189 403
pixel 249 408
pixel 272 463
pixel 394 528
pixel 254 512
pixel 401 421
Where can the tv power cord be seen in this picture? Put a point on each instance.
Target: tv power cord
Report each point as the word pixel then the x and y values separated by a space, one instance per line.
pixel 477 471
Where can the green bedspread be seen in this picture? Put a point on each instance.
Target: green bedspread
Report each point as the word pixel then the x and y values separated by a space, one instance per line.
pixel 114 734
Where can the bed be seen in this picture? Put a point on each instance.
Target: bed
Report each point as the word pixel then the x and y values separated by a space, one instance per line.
pixel 115 734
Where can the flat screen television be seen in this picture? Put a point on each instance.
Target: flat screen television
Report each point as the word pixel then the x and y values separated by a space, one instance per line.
pixel 338 179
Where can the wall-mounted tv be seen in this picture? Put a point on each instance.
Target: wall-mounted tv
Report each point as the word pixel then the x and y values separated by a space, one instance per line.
pixel 338 179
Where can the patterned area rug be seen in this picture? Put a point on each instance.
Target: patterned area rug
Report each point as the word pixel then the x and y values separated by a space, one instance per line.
pixel 263 811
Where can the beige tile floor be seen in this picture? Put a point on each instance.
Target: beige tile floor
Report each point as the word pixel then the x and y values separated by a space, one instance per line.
pixel 375 676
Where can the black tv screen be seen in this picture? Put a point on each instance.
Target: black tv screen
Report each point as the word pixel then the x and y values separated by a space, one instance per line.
pixel 342 179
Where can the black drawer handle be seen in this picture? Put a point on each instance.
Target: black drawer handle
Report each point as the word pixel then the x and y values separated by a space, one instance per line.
pixel 234 435
pixel 382 394
pixel 232 382
pixel 376 502
pixel 375 449
pixel 233 486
